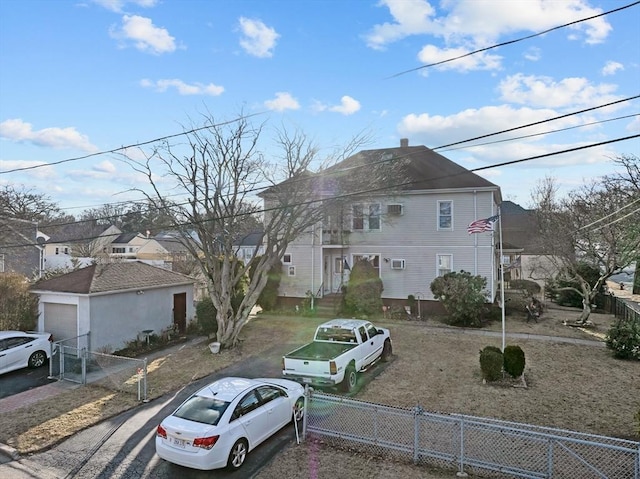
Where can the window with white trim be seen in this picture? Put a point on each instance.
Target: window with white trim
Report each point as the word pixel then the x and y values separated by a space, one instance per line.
pixel 287 259
pixel 445 264
pixel 445 215
pixel 365 217
pixel 397 264
pixel 291 271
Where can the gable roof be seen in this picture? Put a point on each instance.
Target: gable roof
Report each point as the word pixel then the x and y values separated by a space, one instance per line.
pixel 120 276
pixel 407 168
pixel 126 237
pixel 393 170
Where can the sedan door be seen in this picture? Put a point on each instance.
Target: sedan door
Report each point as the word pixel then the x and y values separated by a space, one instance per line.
pixel 277 407
pixel 16 352
pixel 254 419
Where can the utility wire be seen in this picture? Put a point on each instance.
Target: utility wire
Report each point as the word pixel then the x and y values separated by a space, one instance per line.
pixel 134 145
pixel 516 40
pixel 366 191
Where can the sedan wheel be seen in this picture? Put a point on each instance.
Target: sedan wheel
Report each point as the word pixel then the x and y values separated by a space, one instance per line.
pixel 298 410
pixel 237 455
pixel 37 359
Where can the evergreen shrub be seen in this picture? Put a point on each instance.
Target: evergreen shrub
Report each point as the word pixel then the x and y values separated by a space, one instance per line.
pixel 514 361
pixel 491 363
pixel 623 339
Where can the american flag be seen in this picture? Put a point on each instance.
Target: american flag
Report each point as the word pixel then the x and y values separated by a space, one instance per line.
pixel 480 226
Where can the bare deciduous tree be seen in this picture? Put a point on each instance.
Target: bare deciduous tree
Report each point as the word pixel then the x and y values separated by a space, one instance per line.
pixel 216 175
pixel 594 225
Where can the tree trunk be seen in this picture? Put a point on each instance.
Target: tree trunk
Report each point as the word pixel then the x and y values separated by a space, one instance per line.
pixel 586 311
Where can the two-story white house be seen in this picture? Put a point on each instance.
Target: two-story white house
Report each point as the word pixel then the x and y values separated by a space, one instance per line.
pixel 406 211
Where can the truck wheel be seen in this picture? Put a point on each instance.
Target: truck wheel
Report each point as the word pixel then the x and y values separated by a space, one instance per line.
pixel 386 351
pixel 350 379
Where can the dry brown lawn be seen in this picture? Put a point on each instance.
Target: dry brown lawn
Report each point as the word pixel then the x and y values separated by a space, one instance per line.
pixel 570 386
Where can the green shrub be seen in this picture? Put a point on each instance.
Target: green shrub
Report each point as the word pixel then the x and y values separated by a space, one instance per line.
pixel 624 339
pixel 514 361
pixel 206 316
pixel 363 296
pixel 463 296
pixel 531 287
pixel 491 363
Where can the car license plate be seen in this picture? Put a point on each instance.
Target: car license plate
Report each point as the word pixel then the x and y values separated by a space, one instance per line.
pixel 306 380
pixel 178 442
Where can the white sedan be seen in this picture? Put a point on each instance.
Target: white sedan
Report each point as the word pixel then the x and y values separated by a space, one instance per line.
pixel 20 350
pixel 218 425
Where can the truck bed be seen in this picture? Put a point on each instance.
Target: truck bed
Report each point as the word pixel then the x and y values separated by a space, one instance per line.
pixel 320 351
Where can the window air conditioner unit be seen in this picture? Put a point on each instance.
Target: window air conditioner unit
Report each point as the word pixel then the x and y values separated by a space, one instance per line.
pixel 397 264
pixel 395 210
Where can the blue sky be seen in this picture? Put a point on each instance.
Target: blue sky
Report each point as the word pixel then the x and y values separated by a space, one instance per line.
pixel 80 77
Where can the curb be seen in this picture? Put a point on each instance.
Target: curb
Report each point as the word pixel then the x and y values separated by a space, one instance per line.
pixel 9 452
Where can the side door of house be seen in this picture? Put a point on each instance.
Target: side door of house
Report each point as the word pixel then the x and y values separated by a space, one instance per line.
pixel 180 311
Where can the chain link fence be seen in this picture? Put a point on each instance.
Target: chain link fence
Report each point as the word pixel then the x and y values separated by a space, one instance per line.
pixel 116 373
pixel 469 444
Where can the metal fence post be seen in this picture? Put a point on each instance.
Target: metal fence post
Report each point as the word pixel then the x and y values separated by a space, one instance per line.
pixel 83 355
pixel 461 472
pixel 417 412
pixel 550 458
pixel 144 380
pixel 61 374
pixel 305 416
pixel 637 476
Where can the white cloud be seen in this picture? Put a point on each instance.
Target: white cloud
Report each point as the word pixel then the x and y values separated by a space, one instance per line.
pixel 40 172
pixel 258 39
pixel 480 61
pixel 144 35
pixel 282 101
pixel 347 106
pixel 533 54
pixel 611 68
pixel 118 5
pixel 634 126
pixel 542 91
pixel 475 24
pixel 106 166
pixel 20 131
pixel 182 87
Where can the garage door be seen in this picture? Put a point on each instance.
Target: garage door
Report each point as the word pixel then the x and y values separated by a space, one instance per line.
pixel 61 320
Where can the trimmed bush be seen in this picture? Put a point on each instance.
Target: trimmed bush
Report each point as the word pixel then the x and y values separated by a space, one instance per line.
pixel 514 361
pixel 463 296
pixel 491 363
pixel 531 287
pixel 624 339
pixel 363 293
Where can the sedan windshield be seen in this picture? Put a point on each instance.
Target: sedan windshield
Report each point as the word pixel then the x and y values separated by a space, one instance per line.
pixel 202 409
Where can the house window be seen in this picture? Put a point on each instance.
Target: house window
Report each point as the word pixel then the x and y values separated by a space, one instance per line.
pixel 445 215
pixel 287 259
pixel 291 270
pixel 57 250
pixel 338 265
pixel 119 250
pixel 445 264
pixel 397 264
pixel 66 250
pixel 395 210
pixel 365 217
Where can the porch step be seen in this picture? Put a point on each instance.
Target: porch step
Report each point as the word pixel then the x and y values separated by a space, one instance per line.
pixel 329 305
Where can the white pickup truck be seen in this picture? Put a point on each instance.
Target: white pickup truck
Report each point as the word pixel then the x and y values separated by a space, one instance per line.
pixel 340 350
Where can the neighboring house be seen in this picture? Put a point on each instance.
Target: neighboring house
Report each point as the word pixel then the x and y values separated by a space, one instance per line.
pixel 126 246
pixel 114 303
pixel 249 246
pixel 410 223
pixel 76 243
pixel 523 253
pixel 20 250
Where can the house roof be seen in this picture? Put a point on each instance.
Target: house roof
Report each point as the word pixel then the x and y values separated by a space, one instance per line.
pixel 406 168
pixel 120 276
pixel 519 228
pixel 125 238
pixel 252 239
pixel 391 170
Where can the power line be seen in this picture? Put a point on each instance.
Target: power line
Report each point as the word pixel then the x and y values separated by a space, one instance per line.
pixel 538 122
pixel 362 192
pixel 542 133
pixel 134 145
pixel 516 40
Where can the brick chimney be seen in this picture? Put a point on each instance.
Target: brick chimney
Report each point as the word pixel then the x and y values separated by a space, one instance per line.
pixel 404 142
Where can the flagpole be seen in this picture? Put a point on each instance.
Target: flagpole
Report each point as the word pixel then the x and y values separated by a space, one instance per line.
pixel 501 266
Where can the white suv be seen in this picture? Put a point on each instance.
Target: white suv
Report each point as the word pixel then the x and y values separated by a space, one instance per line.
pixel 20 350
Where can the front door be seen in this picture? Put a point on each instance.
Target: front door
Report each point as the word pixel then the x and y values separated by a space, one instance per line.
pixel 339 274
pixel 180 312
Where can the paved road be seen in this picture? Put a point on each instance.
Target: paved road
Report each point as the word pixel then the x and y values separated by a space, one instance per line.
pixel 22 380
pixel 124 447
